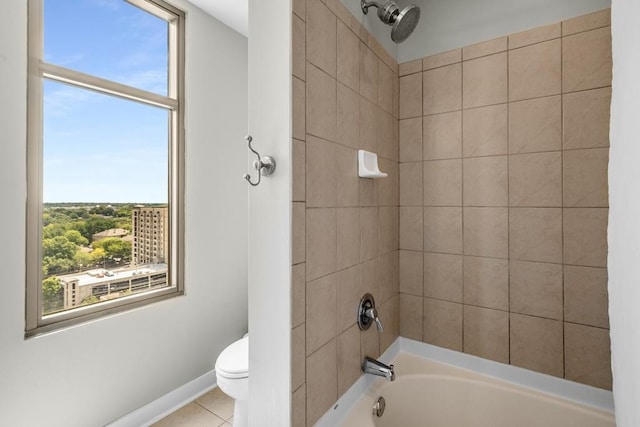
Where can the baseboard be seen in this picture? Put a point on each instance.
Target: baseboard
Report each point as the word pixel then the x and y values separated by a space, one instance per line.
pixel 170 402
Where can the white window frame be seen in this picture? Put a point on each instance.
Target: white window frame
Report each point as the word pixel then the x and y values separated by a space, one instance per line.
pixel 38 71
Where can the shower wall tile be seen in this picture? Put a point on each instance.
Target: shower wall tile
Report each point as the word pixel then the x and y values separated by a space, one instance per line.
pixel 410 67
pixel 348 188
pixel 442 136
pixel 484 131
pixel 369 191
pixel 536 179
pixel 442 182
pixel 486 181
pixel 585 296
pixel 537 344
pixel 387 136
pixel 348 57
pixel 349 362
pixel 321 312
pixel 368 74
pixel 321 36
pixel 298 102
pixel 349 292
pixel 411 316
pixel 298 356
pixel 298 170
pixel 321 242
pixel 348 120
pixel 411 272
pixel 442 324
pixel 298 47
pixel 299 407
pixel 321 103
pixel 591 21
pixel 484 81
pixel 585 236
pixel 585 178
pixel 368 125
pixel 369 343
pixel 410 139
pixel 535 70
pixel 586 60
pixel 535 125
pixel 536 289
pixel 486 282
pixel 322 381
pixel 535 35
pixel 411 223
pixel 486 232
pixel 484 48
pixel 385 87
pixel 298 295
pixel 300 8
pixel 587 355
pixel 348 237
pixel 443 276
pixel 586 118
pixel 411 184
pixel 442 59
pixel 298 233
pixel 388 229
pixel 441 89
pixel 321 173
pixel 368 233
pixel 411 96
pixel 389 311
pixel 535 234
pixel 443 229
pixel 388 194
pixel 486 333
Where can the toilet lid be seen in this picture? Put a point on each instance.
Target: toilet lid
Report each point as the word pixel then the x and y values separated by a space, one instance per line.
pixel 233 362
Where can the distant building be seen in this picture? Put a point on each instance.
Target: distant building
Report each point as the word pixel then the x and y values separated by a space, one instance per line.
pixel 112 232
pixel 150 227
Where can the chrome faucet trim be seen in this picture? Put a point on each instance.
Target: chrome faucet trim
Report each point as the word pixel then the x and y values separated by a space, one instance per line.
pixel 375 367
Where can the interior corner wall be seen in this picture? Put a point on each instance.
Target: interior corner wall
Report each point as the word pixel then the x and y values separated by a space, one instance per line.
pixel 450 24
pixel 98 371
pixel 624 200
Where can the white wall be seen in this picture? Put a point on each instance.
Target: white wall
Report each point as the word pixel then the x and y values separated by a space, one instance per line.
pixel 624 213
pixel 450 24
pixel 270 214
pixel 91 374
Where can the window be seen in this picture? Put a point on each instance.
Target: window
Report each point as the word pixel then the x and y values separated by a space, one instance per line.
pixel 105 154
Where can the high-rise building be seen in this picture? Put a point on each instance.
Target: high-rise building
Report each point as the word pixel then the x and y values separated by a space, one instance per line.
pixel 150 227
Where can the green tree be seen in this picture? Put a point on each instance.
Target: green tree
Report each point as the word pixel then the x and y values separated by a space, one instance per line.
pixel 52 295
pixel 53 230
pixel 90 300
pixel 96 224
pixel 114 247
pixel 58 247
pixel 83 259
pixel 75 237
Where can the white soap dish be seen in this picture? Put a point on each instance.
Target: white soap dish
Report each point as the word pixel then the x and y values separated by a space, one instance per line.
pixel 368 165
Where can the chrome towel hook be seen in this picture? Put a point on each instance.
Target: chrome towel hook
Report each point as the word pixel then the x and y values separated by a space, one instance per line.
pixel 265 165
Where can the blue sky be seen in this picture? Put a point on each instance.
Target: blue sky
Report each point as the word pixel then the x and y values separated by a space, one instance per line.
pixel 99 148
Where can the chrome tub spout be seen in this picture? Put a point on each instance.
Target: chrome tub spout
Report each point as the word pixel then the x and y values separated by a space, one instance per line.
pixel 374 367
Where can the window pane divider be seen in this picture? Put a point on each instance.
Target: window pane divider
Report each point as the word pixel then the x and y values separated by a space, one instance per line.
pixel 97 84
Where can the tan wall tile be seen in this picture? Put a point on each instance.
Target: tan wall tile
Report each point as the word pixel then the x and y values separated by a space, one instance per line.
pixel 484 81
pixel 388 229
pixel 410 139
pixel 348 120
pixel 411 272
pixel 484 48
pixel 349 362
pixel 585 236
pixel 321 312
pixel 484 131
pixel 442 324
pixel 486 181
pixel 535 70
pixel 535 179
pixel 486 282
pixel 535 125
pixel 388 194
pixel 442 90
pixel 298 356
pixel 369 343
pixel 387 136
pixel 587 355
pixel 442 59
pixel 486 333
pixel 370 276
pixel 349 292
pixel 411 96
pixel 411 233
pixel 389 316
pixel 368 233
pixel 369 191
pixel 368 125
pixel 298 233
pixel 443 229
pixel 591 21
pixel 535 234
pixel 298 65
pixel 486 232
pixel 536 289
pixel 321 173
pixel 321 242
pixel 442 136
pixel 300 8
pixel 348 185
pixel 321 36
pixel 299 407
pixel 586 60
pixel 535 35
pixel 298 115
pixel 443 276
pixel 321 101
pixel 410 67
pixel 322 381
pixel 348 235
pixel 586 118
pixel 537 344
pixel 348 57
pixel 442 182
pixel 411 184
pixel 385 87
pixel 585 178
pixel 585 296
pixel 411 316
pixel 298 170
pixel 298 292
pixel 368 74
pixel 388 279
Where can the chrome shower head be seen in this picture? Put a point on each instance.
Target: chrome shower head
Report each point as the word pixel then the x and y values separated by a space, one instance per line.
pixel 403 21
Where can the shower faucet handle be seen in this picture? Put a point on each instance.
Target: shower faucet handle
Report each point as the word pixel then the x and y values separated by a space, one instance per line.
pixel 367 314
pixel 372 313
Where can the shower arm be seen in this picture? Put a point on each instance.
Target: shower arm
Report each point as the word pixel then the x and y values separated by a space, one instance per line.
pixel 387 12
pixel 365 5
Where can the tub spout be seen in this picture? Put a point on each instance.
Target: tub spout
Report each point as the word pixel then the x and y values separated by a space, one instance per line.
pixel 374 367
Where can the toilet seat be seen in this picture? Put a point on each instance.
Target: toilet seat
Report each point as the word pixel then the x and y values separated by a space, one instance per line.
pixel 233 362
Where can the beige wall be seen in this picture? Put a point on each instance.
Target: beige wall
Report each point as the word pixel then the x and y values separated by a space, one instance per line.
pixel 503 199
pixel 345 229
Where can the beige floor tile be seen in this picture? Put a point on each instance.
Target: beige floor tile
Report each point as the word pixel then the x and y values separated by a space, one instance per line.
pixel 218 403
pixel 192 415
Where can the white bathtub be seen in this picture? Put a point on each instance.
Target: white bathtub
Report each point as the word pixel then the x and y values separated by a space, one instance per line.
pixel 435 387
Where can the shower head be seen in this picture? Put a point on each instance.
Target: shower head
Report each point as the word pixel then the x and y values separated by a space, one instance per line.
pixel 403 21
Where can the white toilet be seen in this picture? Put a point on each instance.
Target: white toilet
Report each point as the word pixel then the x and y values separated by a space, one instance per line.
pixel 232 373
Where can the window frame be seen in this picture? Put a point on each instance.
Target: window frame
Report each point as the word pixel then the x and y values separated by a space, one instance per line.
pixel 38 71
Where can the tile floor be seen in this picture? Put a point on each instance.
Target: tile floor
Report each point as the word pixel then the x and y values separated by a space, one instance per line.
pixel 214 409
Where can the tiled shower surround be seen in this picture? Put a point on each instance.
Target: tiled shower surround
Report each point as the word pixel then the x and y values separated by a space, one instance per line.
pixel 488 236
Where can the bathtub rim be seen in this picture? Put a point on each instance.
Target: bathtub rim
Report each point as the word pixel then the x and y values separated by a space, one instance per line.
pixel 582 394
